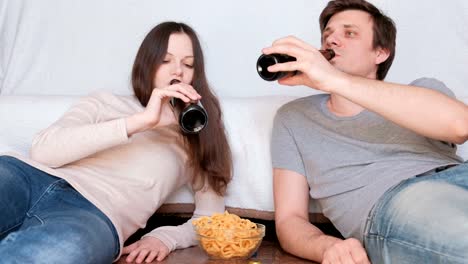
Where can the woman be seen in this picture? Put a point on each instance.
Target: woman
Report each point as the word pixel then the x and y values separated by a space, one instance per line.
pixel 98 173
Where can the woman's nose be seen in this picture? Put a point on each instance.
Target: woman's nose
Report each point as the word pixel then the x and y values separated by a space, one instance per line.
pixel 177 69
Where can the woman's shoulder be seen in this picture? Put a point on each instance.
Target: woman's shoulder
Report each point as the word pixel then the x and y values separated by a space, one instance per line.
pixel 114 101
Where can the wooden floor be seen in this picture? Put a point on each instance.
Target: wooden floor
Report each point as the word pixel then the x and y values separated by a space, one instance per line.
pixel 269 252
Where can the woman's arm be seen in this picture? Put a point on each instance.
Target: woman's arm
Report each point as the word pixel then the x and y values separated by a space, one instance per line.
pixel 84 130
pixel 78 133
pixel 162 240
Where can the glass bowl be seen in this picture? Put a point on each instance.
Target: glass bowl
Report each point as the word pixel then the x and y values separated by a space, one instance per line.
pixel 230 243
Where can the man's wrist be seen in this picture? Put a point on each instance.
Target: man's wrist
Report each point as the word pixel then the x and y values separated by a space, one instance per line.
pixel 341 82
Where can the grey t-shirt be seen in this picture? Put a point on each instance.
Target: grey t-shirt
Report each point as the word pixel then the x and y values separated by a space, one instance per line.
pixel 349 162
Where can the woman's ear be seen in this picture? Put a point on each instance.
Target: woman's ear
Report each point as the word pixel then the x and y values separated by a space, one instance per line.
pixel 382 55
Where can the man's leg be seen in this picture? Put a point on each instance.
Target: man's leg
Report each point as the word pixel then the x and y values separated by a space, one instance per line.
pixel 422 220
pixel 62 227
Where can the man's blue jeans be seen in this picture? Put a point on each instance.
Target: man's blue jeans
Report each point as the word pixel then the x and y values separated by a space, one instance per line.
pixel 44 220
pixel 421 220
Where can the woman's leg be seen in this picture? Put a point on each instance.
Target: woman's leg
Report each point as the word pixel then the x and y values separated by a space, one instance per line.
pixel 61 227
pixel 423 220
pixel 19 182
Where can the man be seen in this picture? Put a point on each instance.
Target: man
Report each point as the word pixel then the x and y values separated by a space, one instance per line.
pixel 378 157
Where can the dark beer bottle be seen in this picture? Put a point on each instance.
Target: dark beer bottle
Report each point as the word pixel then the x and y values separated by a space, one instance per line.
pixel 264 61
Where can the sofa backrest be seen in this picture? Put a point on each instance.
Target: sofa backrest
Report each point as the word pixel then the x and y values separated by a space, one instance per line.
pixel 248 123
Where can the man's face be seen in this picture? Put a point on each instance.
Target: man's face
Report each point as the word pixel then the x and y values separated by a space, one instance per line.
pixel 350 35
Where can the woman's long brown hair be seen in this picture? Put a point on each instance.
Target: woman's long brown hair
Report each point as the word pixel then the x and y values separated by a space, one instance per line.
pixel 209 152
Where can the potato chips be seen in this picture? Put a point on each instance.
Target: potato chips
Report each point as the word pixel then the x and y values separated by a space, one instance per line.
pixel 228 236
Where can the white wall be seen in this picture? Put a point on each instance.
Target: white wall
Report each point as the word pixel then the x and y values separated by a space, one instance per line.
pixel 74 47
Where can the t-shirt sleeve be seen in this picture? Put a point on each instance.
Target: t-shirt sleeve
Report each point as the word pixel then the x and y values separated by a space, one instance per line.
pixel 433 84
pixel 285 153
pixel 439 86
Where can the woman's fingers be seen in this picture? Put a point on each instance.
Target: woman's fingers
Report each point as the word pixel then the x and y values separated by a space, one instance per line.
pixel 132 255
pixel 163 252
pixel 130 248
pixel 185 89
pixel 142 255
pixel 166 93
pixel 153 254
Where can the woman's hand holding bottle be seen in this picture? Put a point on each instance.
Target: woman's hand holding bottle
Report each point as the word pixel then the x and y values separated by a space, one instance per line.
pixel 158 111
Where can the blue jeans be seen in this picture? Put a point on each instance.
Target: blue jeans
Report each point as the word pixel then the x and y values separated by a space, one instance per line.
pixel 44 220
pixel 423 219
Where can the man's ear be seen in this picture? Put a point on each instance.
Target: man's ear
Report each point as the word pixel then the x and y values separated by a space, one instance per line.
pixel 382 55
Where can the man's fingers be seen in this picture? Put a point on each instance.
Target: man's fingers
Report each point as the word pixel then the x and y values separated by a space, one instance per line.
pixel 360 257
pixel 291 50
pixel 286 66
pixel 294 41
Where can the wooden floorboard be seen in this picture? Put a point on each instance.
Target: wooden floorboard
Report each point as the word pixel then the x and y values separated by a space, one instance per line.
pixel 269 251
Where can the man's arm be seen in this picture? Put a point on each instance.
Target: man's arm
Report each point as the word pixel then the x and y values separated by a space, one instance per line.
pixel 297 235
pixel 424 111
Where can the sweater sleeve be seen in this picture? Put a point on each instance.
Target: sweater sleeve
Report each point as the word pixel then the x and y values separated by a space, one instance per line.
pixel 207 202
pixel 80 132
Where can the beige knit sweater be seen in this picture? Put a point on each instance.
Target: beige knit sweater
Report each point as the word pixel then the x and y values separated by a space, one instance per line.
pixel 126 178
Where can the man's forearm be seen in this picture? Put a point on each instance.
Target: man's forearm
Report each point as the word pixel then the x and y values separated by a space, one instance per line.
pixel 415 108
pixel 299 237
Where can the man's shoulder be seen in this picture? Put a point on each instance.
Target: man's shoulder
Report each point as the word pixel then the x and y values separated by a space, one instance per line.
pixel 433 84
pixel 301 104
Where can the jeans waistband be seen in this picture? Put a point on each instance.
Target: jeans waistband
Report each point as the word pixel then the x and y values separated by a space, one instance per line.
pixel 438 169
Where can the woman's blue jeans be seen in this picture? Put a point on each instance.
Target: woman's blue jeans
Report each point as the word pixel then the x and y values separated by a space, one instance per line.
pixel 44 220
pixel 421 220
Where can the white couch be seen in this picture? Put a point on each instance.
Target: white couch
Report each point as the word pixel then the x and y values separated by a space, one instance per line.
pixel 248 122
pixel 52 52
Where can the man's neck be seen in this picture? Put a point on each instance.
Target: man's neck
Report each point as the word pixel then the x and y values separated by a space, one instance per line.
pixel 343 107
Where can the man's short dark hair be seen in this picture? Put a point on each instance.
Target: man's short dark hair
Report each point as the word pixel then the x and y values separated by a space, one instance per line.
pixel 384 28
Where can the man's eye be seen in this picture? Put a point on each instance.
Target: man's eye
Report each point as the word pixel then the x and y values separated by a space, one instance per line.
pixel 350 33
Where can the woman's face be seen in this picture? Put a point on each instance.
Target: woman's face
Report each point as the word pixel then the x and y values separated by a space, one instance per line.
pixel 178 62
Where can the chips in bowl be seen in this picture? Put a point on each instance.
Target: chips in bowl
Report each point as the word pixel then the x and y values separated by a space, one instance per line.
pixel 227 236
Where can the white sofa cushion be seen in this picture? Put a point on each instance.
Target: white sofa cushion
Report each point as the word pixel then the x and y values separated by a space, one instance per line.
pixel 248 123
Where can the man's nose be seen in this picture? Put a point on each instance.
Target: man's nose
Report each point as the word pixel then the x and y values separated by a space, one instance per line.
pixel 332 40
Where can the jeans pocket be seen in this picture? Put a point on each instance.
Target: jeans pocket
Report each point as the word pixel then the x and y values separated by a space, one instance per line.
pixel 46 199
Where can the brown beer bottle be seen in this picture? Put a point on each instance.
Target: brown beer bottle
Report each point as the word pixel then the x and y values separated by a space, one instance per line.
pixel 264 61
